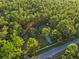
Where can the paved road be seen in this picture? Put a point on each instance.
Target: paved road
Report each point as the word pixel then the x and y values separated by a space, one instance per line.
pixel 56 50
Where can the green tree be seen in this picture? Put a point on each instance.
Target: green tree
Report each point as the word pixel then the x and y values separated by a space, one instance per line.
pixel 56 35
pixel 46 31
pixel 67 29
pixel 71 52
pixel 77 29
pixel 32 46
pixel 8 50
pixel 10 47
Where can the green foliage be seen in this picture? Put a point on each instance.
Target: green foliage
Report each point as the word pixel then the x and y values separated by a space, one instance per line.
pixel 4 32
pixel 10 41
pixel 46 31
pixel 71 52
pixel 8 50
pixel 72 49
pixel 66 27
pixel 61 15
pixel 17 40
pixel 32 45
pixel 11 49
pixel 55 33
pixel 2 20
pixel 32 42
pixel 77 29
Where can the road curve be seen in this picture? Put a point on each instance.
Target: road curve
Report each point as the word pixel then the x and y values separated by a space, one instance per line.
pixel 56 50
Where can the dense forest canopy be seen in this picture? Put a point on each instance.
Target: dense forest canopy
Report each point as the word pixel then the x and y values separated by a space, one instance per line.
pixel 21 19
